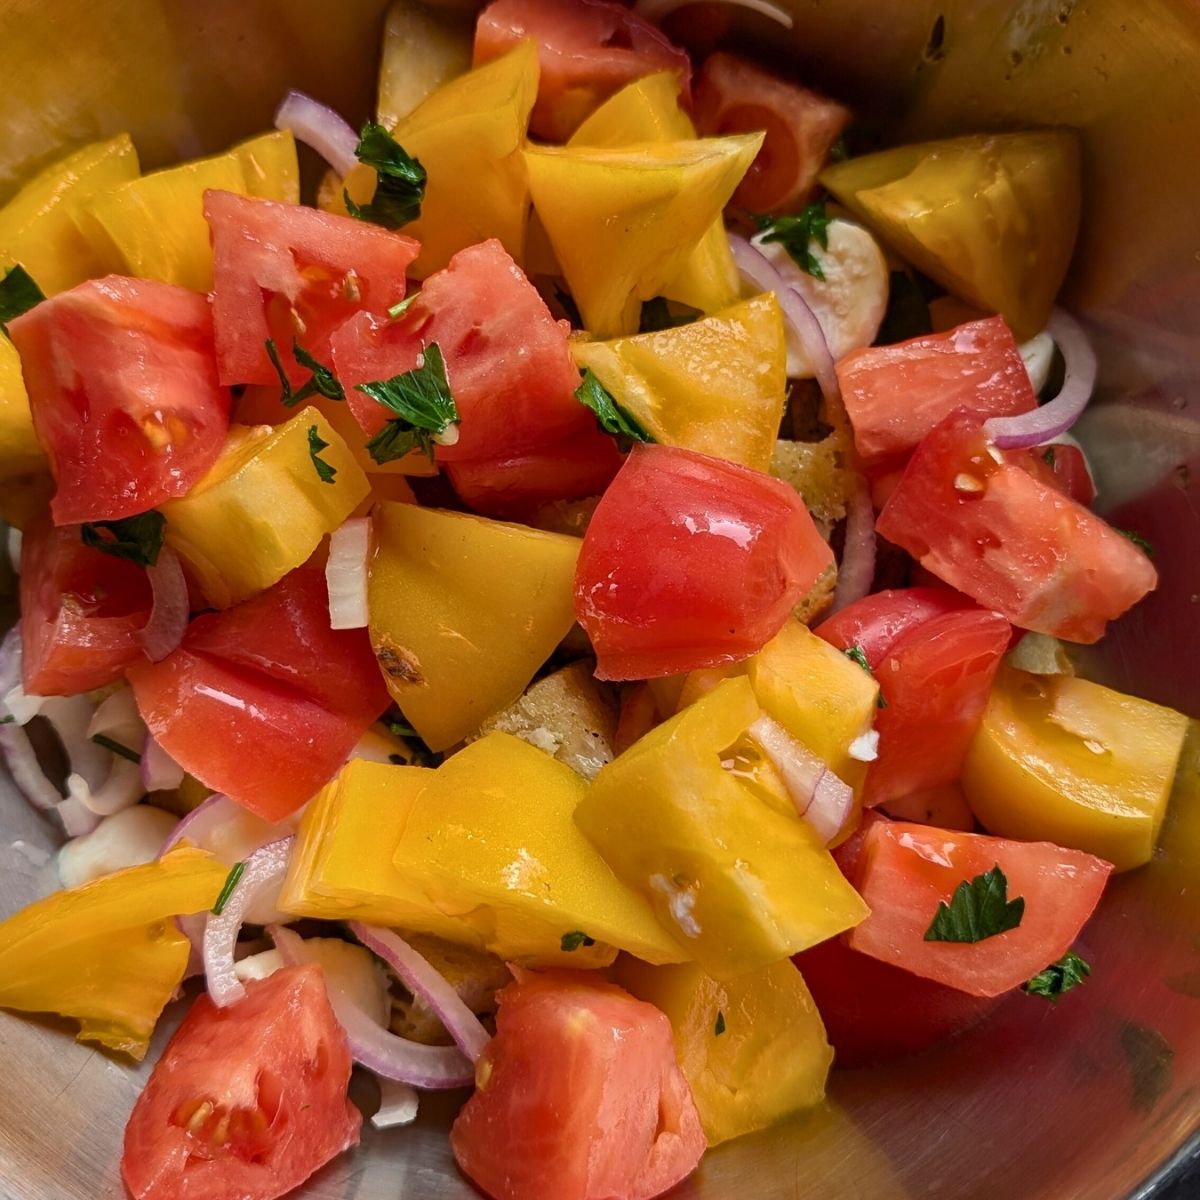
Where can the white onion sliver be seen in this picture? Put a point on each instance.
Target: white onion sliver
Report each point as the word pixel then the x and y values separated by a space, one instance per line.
pixel 160 772
pixel 21 706
pixel 318 126
pixel 424 981
pixel 398 1104
pixel 264 869
pixel 168 621
pixel 1055 417
pixel 76 820
pixel 856 572
pixel 122 789
pixel 377 1049
pixel 658 10
pixel 346 574
pixel 26 771
pixel 761 273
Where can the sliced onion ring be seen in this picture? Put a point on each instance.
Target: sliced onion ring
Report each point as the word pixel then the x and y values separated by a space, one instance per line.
pixel 318 126
pixel 658 10
pixel 346 573
pixel 856 571
pixel 1055 417
pixel 265 868
pixel 163 632
pixel 424 981
pixel 377 1049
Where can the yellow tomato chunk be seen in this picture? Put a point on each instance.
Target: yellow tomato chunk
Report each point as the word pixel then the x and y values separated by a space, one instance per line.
pixel 1063 760
pixel 263 507
pixel 20 452
pixel 423 48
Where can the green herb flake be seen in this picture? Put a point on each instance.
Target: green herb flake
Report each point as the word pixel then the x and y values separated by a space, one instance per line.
pixel 231 882
pixel 423 405
pixel 1145 546
pixel 1059 978
pixel 1048 456
pixel 401 184
pixel 859 655
pixel 978 910
pixel 316 444
pixel 136 539
pixel 796 235
pixel 322 382
pixel 610 416
pixel 18 294
pixel 719 1027
pixel 7 719
pixel 402 306
pixel 576 938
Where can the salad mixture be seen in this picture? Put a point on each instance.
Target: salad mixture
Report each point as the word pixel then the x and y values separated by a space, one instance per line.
pixel 583 612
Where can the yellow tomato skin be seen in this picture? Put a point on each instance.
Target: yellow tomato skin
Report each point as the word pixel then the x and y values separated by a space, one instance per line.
pixel 753 1048
pixel 155 227
pixel 624 222
pixel 739 883
pixel 108 954
pixel 20 451
pixel 717 385
pixel 423 48
pixel 648 110
pixel 262 508
pixel 463 611
pixel 991 217
pixel 38 226
pixel 491 841
pixel 1063 760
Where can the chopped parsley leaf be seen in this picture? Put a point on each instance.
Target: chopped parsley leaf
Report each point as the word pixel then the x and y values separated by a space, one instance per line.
pixel 402 306
pixel 323 380
pixel 576 938
pixel 1059 978
pixel 423 405
pixel 1140 542
pixel 399 729
pixel 1048 456
pixel 325 471
pixel 859 655
pixel 401 184
pixel 136 539
pixel 7 719
pixel 610 416
pixel 18 294
pixel 979 909
pixel 231 881
pixel 719 1027
pixel 796 235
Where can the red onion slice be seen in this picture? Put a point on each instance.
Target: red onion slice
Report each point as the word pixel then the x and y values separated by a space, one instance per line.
pixel 346 573
pixel 856 571
pixel 264 869
pixel 377 1049
pixel 168 621
pixel 658 10
pixel 761 273
pixel 1055 417
pixel 320 127
pixel 160 772
pixel 424 981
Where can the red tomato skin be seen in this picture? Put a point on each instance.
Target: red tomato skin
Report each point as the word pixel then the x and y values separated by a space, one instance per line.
pixel 896 394
pixel 81 611
pixel 587 50
pixel 263 701
pixel 1068 471
pixel 579 1097
pixel 734 95
pixel 284 271
pixel 277 1064
pixel 516 486
pixel 124 394
pixel 909 869
pixel 507 361
pixel 1009 540
pixel 690 561
pixel 875 623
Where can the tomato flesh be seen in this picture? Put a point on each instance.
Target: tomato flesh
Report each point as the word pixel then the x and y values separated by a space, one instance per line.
pixel 578 1097
pixel 246 1102
pixel 81 611
pixel 875 623
pixel 909 869
pixel 586 52
pixel 1008 539
pixel 691 561
pixel 124 394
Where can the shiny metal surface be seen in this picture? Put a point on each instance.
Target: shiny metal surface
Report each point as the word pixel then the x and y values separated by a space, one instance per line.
pixel 1042 1102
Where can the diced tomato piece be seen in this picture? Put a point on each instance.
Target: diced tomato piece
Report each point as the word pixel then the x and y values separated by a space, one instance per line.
pixel 264 701
pixel 1069 470
pixel 507 361
pixel 908 870
pixel 81 611
pixel 875 623
pixel 246 1101
pixel 1009 540
pixel 690 561
pixel 287 272
pixel 124 395
pixel 579 1097
pixel 734 95
pixel 581 465
pixel 587 50
pixel 896 394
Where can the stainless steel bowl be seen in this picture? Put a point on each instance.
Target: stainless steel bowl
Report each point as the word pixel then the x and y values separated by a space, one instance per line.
pixel 1094 1100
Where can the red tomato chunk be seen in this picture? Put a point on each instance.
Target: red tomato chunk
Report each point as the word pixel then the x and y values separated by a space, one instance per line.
pixel 691 561
pixel 909 869
pixel 124 394
pixel 246 1101
pixel 586 52
pixel 987 526
pixel 578 1097
pixel 895 395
